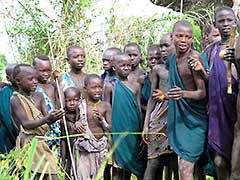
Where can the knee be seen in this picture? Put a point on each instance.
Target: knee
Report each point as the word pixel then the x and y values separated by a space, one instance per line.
pixel 220 162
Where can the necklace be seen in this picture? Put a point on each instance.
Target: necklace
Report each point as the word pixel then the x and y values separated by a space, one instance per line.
pixel 93 104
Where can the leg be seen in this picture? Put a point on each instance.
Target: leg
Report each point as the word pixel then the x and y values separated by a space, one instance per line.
pixel 107 172
pixel 173 164
pixel 168 172
pixel 222 167
pixel 153 166
pixel 199 171
pixel 120 174
pixel 186 170
pixel 235 172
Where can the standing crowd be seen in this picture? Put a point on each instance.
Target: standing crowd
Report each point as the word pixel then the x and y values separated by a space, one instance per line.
pixel 178 119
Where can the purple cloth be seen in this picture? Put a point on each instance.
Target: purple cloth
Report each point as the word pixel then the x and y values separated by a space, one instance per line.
pixel 222 106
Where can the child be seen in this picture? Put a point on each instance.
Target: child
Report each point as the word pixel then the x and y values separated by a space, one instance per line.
pixel 187 115
pixel 124 95
pixel 222 114
pixel 74 78
pixel 8 131
pixel 72 114
pixel 107 63
pixel 159 151
pixel 28 110
pixel 89 150
pixel 48 89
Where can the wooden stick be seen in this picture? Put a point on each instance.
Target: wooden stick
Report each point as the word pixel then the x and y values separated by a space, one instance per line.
pixel 229 64
pixel 66 130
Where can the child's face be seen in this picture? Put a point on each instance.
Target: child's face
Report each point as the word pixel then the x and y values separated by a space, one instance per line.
pixel 94 89
pixel 167 47
pixel 77 58
pixel 214 35
pixel 123 67
pixel 27 80
pixel 182 38
pixel 134 54
pixel 224 22
pixel 107 60
pixel 44 70
pixel 153 58
pixel 72 100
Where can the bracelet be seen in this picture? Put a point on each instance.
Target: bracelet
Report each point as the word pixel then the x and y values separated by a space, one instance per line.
pixel 104 123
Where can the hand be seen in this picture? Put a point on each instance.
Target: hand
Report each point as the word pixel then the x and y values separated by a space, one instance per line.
pixel 175 93
pixel 55 115
pixel 56 74
pixel 145 136
pixel 158 95
pixel 195 64
pixel 97 115
pixel 229 54
pixel 80 128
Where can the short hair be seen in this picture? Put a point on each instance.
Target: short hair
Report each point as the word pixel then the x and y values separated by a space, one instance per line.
pixel 76 90
pixel 41 57
pixel 222 8
pixel 9 68
pixel 70 49
pixel 114 49
pixel 18 69
pixel 89 77
pixel 182 23
pixel 116 57
pixel 132 44
pixel 153 47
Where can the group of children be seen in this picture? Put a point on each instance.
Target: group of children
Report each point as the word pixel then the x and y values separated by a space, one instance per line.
pixel 180 108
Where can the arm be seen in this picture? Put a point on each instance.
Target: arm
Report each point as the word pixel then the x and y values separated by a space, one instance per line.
pixel 108 93
pixel 108 117
pixel 237 56
pixel 20 116
pixel 138 95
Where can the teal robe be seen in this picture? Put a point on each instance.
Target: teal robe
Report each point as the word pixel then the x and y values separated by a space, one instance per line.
pixel 126 118
pixel 187 120
pixel 8 131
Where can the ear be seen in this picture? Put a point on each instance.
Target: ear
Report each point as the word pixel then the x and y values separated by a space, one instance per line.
pixel 214 24
pixel 17 80
pixel 171 36
pixel 85 90
pixel 67 58
pixel 113 67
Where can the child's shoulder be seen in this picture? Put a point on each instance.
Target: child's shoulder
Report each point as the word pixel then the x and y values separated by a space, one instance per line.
pixel 105 104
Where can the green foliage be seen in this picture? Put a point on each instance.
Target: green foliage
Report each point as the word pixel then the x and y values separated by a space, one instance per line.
pixel 3 63
pixel 34 32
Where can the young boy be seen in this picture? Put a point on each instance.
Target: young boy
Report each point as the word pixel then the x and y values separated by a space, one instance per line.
pixel 124 95
pixel 72 115
pixel 107 63
pixel 28 110
pixel 222 115
pixel 89 150
pixel 159 151
pixel 8 131
pixel 153 58
pixel 187 116
pixel 137 74
pixel 48 89
pixel 76 60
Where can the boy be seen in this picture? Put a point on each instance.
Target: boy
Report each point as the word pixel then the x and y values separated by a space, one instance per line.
pixel 8 131
pixel 187 116
pixel 124 95
pixel 72 114
pixel 107 63
pixel 89 150
pixel 222 115
pixel 153 58
pixel 27 110
pixel 76 60
pixel 159 151
pixel 48 89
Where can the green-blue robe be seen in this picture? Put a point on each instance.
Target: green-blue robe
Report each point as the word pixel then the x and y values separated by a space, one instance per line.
pixel 187 120
pixel 126 118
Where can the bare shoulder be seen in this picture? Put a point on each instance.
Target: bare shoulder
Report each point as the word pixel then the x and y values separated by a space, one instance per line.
pixel 105 105
pixel 141 72
pixel 14 101
pixel 108 85
pixel 37 95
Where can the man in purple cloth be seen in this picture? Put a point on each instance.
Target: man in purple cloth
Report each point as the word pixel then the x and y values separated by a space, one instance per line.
pixel 222 106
